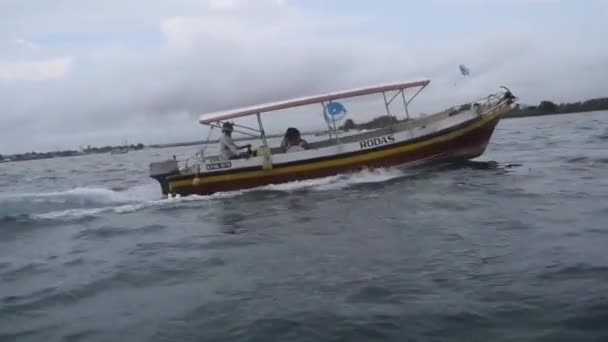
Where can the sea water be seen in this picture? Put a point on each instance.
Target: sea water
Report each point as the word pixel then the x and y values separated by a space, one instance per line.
pixel 509 247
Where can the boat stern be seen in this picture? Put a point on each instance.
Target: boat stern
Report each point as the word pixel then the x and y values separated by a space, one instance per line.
pixel 161 171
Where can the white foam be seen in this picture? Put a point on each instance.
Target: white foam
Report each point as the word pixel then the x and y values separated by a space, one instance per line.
pixel 70 213
pixel 81 194
pixel 143 192
pixel 139 197
pixel 299 185
pixel 362 177
pixel 129 208
pixel 82 213
pixel 98 195
pixel 336 182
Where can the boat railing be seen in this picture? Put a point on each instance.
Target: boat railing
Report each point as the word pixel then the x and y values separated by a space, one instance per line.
pixel 493 100
pixel 480 105
pixel 192 163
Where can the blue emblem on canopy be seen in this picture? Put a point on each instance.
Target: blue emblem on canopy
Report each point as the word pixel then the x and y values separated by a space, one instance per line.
pixel 335 110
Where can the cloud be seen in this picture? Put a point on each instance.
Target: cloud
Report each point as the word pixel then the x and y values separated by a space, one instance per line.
pixel 35 70
pixel 501 2
pixel 214 58
pixel 517 2
pixel 222 4
pixel 27 44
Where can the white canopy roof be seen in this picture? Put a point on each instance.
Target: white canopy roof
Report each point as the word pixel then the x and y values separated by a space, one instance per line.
pixel 302 101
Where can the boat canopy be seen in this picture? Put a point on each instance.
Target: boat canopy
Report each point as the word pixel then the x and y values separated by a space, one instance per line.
pixel 210 118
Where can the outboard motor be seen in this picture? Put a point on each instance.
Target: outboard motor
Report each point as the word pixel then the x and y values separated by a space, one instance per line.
pixel 163 170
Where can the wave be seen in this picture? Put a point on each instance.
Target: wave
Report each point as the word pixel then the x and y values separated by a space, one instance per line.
pixel 363 177
pixel 112 231
pixel 579 271
pixel 81 203
pixel 330 183
pixel 82 195
pixel 587 160
pixel 603 136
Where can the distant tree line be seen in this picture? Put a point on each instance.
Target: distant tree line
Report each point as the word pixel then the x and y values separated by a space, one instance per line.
pixel 66 153
pixel 543 108
pixel 548 108
pixel 106 149
pixel 42 155
pixel 378 122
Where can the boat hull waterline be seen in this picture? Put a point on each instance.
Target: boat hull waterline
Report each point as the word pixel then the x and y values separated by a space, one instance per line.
pixel 465 141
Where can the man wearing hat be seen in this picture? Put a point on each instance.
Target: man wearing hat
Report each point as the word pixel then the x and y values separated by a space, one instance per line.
pixel 228 148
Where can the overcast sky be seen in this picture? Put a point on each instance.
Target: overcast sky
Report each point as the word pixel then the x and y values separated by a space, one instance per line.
pixel 78 72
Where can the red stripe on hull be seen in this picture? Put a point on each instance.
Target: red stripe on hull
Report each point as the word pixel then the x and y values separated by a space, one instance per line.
pixel 467 146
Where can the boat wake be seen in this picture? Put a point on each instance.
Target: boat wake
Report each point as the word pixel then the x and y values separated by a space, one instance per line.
pixel 81 203
pixel 338 182
pixel 72 202
pixel 80 195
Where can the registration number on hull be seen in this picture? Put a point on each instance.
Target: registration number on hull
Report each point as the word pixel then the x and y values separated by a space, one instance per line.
pixel 218 166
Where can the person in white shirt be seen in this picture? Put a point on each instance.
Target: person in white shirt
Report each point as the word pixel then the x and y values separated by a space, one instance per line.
pixel 228 149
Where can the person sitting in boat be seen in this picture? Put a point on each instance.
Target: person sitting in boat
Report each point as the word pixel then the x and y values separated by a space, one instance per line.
pixel 293 142
pixel 228 149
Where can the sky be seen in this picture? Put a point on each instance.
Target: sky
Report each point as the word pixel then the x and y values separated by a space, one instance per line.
pixel 84 72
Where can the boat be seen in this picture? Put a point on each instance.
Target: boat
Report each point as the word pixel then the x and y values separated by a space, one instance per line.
pixel 121 150
pixel 458 133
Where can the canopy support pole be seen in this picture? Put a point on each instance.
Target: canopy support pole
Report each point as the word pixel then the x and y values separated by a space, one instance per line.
pixel 335 130
pixel 245 127
pixel 395 96
pixel 212 125
pixel 267 161
pixel 407 112
pixel 329 128
pixel 416 94
pixel 388 111
pixel 262 133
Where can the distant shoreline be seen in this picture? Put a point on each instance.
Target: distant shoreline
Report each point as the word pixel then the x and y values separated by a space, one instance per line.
pixel 550 108
pixel 530 115
pixel 544 108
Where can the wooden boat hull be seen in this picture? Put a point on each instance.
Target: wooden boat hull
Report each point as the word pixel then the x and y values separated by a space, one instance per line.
pixel 464 141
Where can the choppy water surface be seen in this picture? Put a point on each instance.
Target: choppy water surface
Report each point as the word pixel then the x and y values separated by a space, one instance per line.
pixel 512 247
